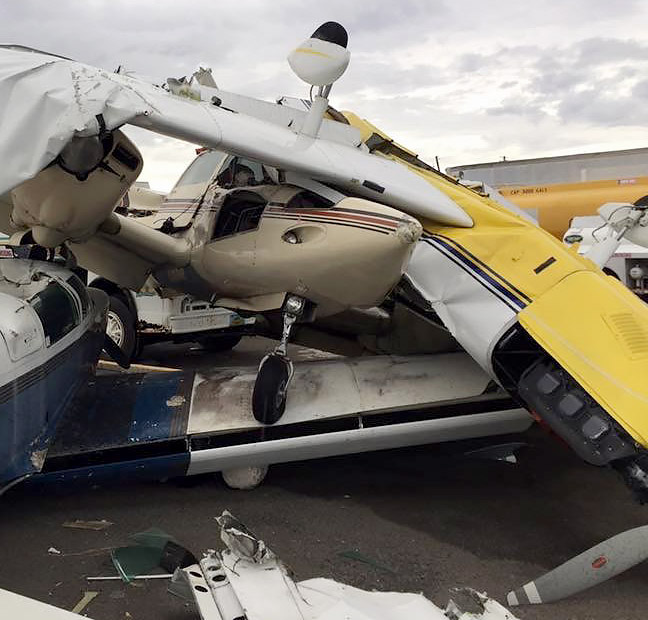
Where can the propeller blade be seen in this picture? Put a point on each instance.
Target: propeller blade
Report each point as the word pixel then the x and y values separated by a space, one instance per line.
pixel 592 567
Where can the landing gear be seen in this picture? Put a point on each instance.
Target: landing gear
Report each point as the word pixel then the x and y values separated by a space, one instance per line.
pixel 276 369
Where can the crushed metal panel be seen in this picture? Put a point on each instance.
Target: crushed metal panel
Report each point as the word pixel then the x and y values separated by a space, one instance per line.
pixel 64 99
pixel 248 580
pixel 330 600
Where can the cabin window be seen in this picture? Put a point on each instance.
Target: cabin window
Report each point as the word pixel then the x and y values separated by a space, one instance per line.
pixel 241 172
pixel 57 312
pixel 201 169
pixel 80 290
pixel 241 212
pixel 309 200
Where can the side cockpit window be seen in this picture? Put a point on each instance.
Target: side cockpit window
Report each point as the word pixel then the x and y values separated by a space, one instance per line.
pixel 241 212
pixel 56 310
pixel 309 200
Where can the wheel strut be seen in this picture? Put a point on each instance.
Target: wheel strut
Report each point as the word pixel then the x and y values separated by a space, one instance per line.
pixel 276 369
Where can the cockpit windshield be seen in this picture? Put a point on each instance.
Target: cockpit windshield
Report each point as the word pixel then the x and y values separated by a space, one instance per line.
pixel 201 169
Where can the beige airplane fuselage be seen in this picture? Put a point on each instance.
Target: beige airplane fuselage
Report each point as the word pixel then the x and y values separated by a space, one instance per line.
pixel 243 244
pixel 349 254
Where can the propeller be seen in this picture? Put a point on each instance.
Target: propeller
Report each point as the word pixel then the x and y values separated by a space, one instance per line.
pixel 592 567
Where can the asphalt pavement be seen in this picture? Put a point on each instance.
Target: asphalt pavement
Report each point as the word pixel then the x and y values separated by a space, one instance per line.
pixel 417 519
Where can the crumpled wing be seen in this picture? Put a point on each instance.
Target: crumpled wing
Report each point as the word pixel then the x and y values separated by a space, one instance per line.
pixel 46 100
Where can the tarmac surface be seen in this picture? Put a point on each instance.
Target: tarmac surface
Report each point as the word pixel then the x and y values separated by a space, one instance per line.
pixel 418 519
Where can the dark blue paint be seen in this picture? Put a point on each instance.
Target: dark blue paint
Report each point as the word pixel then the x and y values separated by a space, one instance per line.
pixel 152 416
pixel 124 472
pixel 29 418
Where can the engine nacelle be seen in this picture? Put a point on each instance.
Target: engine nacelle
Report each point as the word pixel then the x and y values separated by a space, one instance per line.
pixel 76 193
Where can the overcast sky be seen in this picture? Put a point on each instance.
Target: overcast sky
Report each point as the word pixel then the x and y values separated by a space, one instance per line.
pixel 468 81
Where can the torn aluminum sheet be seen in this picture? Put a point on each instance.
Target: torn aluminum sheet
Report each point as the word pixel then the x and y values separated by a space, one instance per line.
pixel 45 101
pixel 248 580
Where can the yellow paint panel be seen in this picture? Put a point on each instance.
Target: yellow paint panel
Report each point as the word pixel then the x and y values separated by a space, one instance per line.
pixel 509 244
pixel 598 330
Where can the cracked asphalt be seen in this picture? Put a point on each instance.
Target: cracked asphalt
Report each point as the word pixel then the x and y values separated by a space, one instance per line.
pixel 422 519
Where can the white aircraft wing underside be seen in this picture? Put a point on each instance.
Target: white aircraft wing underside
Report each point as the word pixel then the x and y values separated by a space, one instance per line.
pixel 46 100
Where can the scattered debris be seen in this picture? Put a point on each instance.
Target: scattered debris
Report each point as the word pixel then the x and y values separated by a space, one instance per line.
pixel 364 559
pixel 88 597
pixel 56 585
pixel 241 541
pixel 153 549
pixel 86 552
pixel 489 609
pixel 248 580
pixel 53 551
pixel 505 452
pixel 88 525
pixel 131 577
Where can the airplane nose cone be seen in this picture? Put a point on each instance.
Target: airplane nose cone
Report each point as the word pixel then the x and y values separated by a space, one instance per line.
pixel 409 232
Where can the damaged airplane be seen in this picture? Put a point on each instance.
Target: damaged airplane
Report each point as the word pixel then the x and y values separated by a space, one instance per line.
pixel 333 234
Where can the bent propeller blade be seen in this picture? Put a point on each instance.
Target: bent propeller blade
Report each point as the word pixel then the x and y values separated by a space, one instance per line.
pixel 592 567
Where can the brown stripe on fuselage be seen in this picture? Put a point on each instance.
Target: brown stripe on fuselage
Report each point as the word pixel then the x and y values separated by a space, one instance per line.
pixel 329 221
pixel 345 217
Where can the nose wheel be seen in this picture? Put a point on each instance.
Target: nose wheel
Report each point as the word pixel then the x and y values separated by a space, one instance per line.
pixel 276 369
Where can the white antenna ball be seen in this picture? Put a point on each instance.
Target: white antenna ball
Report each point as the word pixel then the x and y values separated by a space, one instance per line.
pixel 318 62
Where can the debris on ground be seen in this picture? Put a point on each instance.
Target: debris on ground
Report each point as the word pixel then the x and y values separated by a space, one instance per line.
pixel 352 554
pixel 131 577
pixel 248 580
pixel 486 608
pixel 88 525
pixel 53 551
pixel 88 597
pixel 56 585
pixel 153 549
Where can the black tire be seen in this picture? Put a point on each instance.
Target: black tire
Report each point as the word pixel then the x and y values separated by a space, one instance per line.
pixel 270 389
pixel 220 343
pixel 122 319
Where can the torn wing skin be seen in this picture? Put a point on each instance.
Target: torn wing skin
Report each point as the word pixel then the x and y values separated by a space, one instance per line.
pixel 72 99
